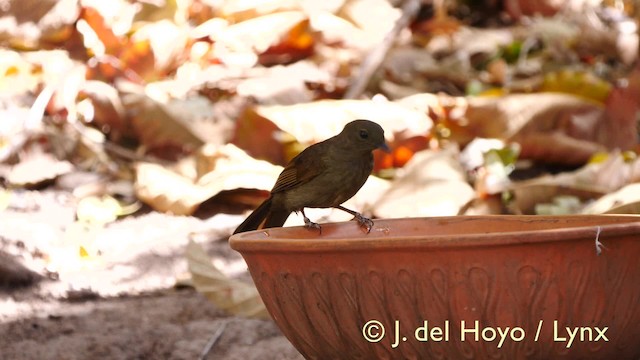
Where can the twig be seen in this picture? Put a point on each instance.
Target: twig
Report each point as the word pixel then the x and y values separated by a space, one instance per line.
pixel 214 338
pixel 374 59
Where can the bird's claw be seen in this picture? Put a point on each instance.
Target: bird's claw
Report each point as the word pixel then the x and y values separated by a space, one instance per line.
pixel 364 222
pixel 311 225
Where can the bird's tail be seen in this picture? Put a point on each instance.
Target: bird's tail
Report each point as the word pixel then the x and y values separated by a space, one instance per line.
pixel 263 217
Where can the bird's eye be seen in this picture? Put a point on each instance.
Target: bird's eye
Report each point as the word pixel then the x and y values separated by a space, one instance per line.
pixel 364 134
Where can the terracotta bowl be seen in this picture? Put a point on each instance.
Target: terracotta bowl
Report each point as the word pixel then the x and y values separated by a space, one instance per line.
pixel 424 288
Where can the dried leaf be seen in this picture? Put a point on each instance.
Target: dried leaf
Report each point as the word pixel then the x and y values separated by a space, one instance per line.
pixel 37 169
pixel 432 184
pixel 527 195
pixel 624 201
pixel 583 84
pixel 242 10
pixel 286 33
pixel 519 8
pixel 168 43
pixel 98 34
pixel 98 210
pixel 620 120
pixel 469 41
pixel 234 296
pixel 161 10
pixel 269 89
pixel 337 31
pixel 265 146
pixel 574 126
pixel 18 75
pixel 29 23
pixel 116 15
pixel 587 183
pixel 565 149
pixel 320 120
pixel 159 128
pixel 561 205
pixel 108 112
pixel 168 191
pixel 233 169
pixel 309 123
pixel 5 198
pixel 375 17
pixel 79 249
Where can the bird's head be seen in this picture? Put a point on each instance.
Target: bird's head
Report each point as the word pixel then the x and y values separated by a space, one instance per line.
pixel 365 135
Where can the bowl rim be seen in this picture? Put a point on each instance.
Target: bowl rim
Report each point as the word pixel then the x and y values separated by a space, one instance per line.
pixel 267 240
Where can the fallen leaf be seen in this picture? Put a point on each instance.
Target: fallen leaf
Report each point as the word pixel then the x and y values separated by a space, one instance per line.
pixel 337 31
pixel 173 10
pixel 98 35
pixel 234 296
pixel 108 112
pixel 621 114
pixel 320 120
pixel 31 23
pixel 161 129
pixel 470 41
pixel 520 8
pixel 574 126
pixel 561 205
pixel 98 210
pixel 624 201
pixel 308 123
pixel 116 15
pixel 269 89
pixel 587 183
pixel 242 10
pixel 168 191
pixel 283 32
pixel 19 76
pixel 37 169
pixel 584 84
pixel 234 169
pixel 266 146
pixel 527 195
pixel 5 198
pixel 375 17
pixel 78 249
pixel 432 183
pixel 168 43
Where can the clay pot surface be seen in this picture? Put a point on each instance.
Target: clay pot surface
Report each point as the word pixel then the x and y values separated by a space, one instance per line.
pixel 422 288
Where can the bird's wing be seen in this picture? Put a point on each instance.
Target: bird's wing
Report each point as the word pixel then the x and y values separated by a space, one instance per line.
pixel 301 169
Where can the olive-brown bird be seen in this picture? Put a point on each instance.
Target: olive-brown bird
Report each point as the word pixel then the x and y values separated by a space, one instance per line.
pixel 324 175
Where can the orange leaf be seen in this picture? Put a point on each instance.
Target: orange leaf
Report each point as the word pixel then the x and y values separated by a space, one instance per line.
pixel 94 19
pixel 256 135
pixel 297 44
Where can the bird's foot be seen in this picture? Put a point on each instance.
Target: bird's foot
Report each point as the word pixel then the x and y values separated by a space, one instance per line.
pixel 311 225
pixel 364 222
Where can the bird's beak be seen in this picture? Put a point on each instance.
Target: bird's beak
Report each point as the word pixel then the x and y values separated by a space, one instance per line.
pixel 384 147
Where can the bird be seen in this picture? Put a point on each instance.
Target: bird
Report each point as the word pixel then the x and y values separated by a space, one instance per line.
pixel 324 175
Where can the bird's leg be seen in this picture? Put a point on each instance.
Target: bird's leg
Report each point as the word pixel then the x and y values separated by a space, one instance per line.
pixel 362 221
pixel 310 224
